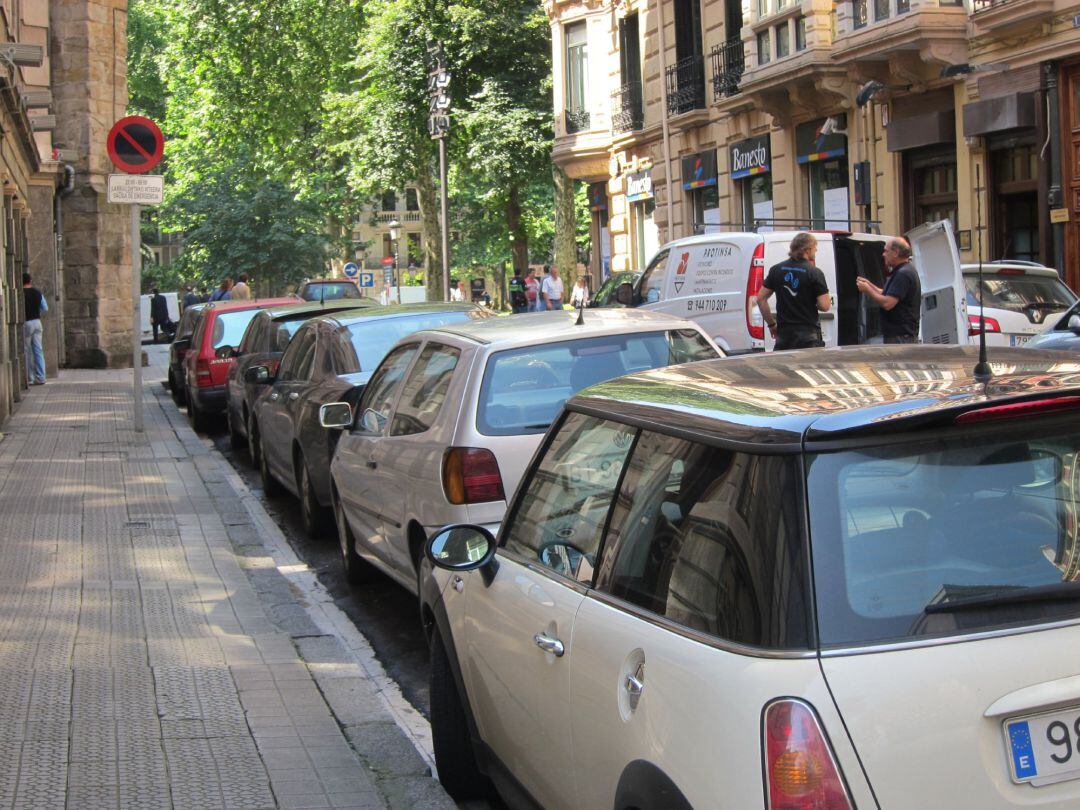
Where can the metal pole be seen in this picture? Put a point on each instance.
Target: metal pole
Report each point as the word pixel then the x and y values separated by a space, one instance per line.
pixel 444 195
pixel 397 276
pixel 136 319
pixel 664 121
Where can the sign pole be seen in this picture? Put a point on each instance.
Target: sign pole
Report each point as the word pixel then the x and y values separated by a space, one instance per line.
pixel 136 320
pixel 443 194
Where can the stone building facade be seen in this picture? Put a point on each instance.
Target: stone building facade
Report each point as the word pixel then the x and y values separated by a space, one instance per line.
pixel 690 116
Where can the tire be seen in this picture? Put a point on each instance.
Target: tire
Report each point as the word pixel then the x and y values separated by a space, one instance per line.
pixel 272 488
pixel 236 441
pixel 314 514
pixel 254 445
pixel 199 420
pixel 174 389
pixel 454 756
pixel 357 570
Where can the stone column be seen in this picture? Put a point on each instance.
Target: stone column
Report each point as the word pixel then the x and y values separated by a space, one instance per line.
pixel 89 83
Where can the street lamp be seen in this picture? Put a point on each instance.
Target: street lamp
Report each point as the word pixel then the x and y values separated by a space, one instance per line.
pixel 394 225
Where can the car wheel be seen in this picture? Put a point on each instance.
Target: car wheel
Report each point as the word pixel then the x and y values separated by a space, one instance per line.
pixel 357 570
pixel 199 420
pixel 236 441
pixel 312 512
pixel 177 391
pixel 272 488
pixel 454 756
pixel 254 445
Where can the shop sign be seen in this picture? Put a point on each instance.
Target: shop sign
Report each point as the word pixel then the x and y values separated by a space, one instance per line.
pixel 811 145
pixel 598 196
pixel 750 157
pixel 699 170
pixel 639 187
pixel 1059 215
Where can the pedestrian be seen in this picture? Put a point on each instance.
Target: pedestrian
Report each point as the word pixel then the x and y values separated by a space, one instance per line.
pixel 190 297
pixel 240 291
pixel 34 306
pixel 901 298
pixel 579 296
pixel 532 291
pixel 805 293
pixel 541 299
pixel 519 301
pixel 222 293
pixel 159 314
pixel 458 293
pixel 552 290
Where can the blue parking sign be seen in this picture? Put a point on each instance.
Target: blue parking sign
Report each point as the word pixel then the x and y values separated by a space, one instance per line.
pixel 366 280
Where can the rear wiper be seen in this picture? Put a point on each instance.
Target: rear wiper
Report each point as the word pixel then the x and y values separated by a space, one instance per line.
pixel 1010 595
pixel 540 426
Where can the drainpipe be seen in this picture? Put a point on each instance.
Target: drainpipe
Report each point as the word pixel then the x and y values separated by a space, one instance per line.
pixel 664 119
pixel 1053 124
pixel 65 190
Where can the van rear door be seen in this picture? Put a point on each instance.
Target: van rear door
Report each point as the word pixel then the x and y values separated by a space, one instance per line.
pixel 944 307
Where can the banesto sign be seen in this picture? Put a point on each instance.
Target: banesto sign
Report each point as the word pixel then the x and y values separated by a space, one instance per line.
pixel 750 157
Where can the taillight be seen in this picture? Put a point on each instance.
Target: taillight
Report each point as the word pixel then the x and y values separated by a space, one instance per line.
pixel 973 325
pixel 202 372
pixel 800 770
pixel 273 365
pixel 1016 410
pixel 754 325
pixel 471 475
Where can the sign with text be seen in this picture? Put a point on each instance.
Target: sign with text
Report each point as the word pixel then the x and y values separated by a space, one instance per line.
pixel 639 187
pixel 750 157
pixel 136 189
pixel 135 144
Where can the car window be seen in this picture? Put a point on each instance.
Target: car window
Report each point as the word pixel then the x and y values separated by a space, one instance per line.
pixel 566 498
pixel 298 356
pixel 187 323
pixel 229 327
pixel 253 337
pixel 651 287
pixel 199 330
pixel 1019 293
pixel 373 337
pixel 331 291
pixel 903 534
pixel 424 390
pixel 710 539
pixel 523 389
pixel 283 332
pixel 383 388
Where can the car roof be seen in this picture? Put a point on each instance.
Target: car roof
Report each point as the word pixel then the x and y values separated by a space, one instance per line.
pixel 398 311
pixel 774 402
pixel 299 309
pixel 992 268
pixel 253 303
pixel 547 327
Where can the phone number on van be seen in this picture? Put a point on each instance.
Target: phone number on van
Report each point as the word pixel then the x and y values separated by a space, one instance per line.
pixel 707 305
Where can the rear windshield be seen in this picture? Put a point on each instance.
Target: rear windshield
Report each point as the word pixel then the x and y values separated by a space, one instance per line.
pixel 1019 293
pixel 960 535
pixel 329 292
pixel 229 327
pixel 524 388
pixel 372 339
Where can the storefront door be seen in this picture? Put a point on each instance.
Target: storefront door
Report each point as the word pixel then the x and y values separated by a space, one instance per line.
pixel 1070 114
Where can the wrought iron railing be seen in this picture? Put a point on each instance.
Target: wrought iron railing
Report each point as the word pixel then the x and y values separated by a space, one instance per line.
pixel 686 85
pixel 627 109
pixel 728 64
pixel 577 121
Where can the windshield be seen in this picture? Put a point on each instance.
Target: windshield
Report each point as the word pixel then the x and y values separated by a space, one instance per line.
pixel 905 536
pixel 605 296
pixel 229 327
pixel 524 389
pixel 372 339
pixel 329 292
pixel 1019 293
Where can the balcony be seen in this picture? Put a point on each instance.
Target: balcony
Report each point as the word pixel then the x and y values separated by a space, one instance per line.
pixel 994 15
pixel 728 64
pixel 577 120
pixel 892 41
pixel 627 109
pixel 384 217
pixel 686 85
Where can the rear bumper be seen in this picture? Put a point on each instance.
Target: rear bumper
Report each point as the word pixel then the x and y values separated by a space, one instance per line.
pixel 210 399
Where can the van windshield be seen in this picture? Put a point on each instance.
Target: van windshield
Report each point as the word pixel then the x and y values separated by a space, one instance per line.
pixel 957 535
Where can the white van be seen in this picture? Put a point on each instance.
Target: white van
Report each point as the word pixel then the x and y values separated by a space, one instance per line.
pixel 714 279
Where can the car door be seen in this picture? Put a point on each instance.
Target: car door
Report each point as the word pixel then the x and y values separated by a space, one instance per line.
pixel 519 626
pixel 352 469
pixel 278 406
pixel 937 260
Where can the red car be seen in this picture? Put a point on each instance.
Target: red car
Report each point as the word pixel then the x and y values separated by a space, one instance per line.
pixel 218 331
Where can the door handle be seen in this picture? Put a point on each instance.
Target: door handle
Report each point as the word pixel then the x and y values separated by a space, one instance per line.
pixel 293 396
pixel 459 584
pixel 549 644
pixel 274 397
pixel 371 464
pixel 634 685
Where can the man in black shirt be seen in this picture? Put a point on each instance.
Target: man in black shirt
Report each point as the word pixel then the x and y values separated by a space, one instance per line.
pixel 801 294
pixel 901 297
pixel 159 314
pixel 34 305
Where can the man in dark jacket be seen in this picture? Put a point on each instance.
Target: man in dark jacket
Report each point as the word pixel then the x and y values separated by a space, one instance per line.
pixel 802 293
pixel 519 302
pixel 34 305
pixel 901 297
pixel 159 315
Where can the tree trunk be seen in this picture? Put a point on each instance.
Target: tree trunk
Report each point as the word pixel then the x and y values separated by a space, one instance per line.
pixel 565 226
pixel 429 210
pixel 519 240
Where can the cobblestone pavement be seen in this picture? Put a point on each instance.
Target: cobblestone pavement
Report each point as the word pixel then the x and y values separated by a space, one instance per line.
pixel 151 653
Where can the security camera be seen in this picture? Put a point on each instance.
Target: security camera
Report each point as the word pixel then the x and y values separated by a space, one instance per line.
pixel 832 126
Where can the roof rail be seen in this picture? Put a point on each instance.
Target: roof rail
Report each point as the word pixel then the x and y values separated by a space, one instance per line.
pixel 872 226
pixel 1021 262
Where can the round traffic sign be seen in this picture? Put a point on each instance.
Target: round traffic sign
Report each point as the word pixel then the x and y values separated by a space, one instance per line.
pixel 351 270
pixel 135 144
pixel 387 261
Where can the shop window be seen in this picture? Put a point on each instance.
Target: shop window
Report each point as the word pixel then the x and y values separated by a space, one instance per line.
pixel 783 41
pixel 757 199
pixel 800 34
pixel 763 53
pixel 828 180
pixel 1014 188
pixel 705 203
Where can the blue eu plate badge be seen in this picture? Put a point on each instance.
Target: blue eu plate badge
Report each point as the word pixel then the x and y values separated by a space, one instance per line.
pixel 1022 752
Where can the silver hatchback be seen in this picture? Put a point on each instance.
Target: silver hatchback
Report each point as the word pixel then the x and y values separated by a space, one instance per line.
pixel 452 416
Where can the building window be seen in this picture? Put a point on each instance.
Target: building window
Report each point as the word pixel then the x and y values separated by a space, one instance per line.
pixel 829 193
pixel 1014 189
pixel 646 235
pixel 577 83
pixel 859 14
pixel 757 198
pixel 881 10
pixel 415 248
pixel 783 41
pixel 705 203
pixel 412 202
pixel 800 34
pixel 763 55
pixel 904 6
pixel 762 9
pixel 388 201
pixel 931 178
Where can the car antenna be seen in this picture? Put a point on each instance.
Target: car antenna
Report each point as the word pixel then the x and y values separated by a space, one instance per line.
pixel 982 368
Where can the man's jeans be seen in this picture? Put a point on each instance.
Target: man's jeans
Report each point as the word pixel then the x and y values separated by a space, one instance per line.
pixel 35 354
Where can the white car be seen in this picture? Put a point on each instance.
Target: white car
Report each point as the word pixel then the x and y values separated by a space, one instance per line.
pixel 1020 299
pixel 451 417
pixel 814 579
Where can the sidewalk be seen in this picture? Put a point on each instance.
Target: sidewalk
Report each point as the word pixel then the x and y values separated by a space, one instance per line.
pixel 159 644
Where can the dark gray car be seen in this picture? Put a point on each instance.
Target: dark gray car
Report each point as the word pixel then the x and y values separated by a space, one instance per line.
pixel 329 359
pixel 1063 334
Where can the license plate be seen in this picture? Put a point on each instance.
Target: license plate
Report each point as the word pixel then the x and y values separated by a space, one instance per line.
pixel 1044 748
pixel 1018 340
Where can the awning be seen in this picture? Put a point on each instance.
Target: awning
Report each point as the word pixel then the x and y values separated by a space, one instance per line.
pixel 990 115
pixel 921 130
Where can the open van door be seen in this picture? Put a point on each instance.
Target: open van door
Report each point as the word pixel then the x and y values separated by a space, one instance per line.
pixel 944 304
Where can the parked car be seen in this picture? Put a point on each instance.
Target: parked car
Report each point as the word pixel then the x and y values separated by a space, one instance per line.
pixel 1020 299
pixel 714 280
pixel 606 294
pixel 263 343
pixel 178 349
pixel 786 581
pixel 452 416
pixel 1063 333
pixel 329 359
pixel 218 329
pixel 329 289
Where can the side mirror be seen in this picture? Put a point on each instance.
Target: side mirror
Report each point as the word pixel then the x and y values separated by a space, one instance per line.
pixel 336 415
pixel 1074 324
pixel 624 294
pixel 461 548
pixel 258 375
pixel 225 352
pixel 372 422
